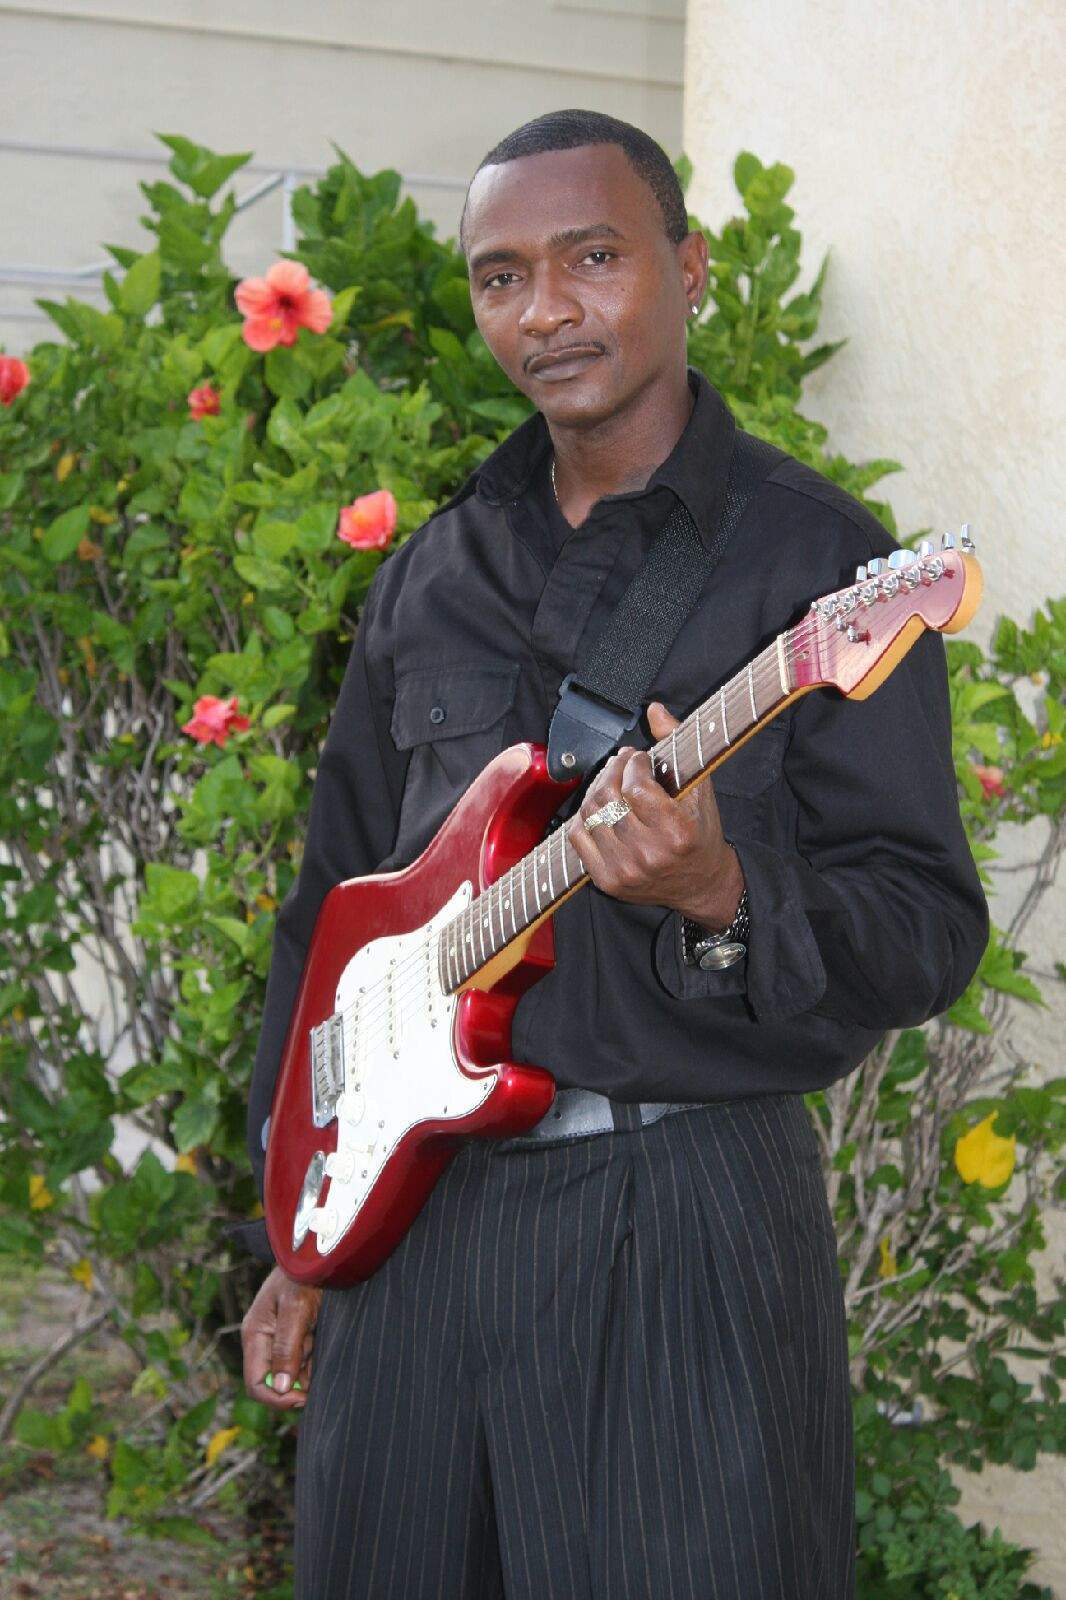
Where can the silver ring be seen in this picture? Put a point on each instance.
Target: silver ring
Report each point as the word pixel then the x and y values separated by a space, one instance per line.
pixel 607 815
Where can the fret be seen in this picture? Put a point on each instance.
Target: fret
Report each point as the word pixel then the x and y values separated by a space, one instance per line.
pixel 514 920
pixel 480 928
pixel 751 692
pixel 499 912
pixel 725 722
pixel 673 753
pixel 536 882
pixel 525 907
pixel 566 865
pixel 699 739
pixel 781 663
pixel 551 886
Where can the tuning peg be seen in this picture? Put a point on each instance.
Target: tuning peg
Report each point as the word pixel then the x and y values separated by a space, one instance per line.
pixel 860 574
pixel 947 541
pixel 875 566
pixel 965 538
pixel 925 548
pixel 902 558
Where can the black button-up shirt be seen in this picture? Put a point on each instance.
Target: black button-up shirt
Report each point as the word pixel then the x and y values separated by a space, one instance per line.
pixel 866 909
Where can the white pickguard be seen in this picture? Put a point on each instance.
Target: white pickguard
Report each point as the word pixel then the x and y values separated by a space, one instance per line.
pixel 399 1068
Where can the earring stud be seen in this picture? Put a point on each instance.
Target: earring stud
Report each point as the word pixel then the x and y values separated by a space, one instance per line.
pixel 695 310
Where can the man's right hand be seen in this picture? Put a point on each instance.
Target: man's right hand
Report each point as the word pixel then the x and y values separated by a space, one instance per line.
pixel 276 1337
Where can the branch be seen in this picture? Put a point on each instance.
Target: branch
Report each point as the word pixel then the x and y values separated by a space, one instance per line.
pixel 33 1375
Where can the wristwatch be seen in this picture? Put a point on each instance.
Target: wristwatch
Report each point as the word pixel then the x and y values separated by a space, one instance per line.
pixel 715 951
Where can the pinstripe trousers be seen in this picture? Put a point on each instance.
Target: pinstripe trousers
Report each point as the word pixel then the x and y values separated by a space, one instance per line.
pixel 608 1369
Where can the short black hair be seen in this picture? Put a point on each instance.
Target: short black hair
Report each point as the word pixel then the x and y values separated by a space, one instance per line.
pixel 568 130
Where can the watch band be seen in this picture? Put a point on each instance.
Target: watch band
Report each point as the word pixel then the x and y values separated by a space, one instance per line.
pixel 714 951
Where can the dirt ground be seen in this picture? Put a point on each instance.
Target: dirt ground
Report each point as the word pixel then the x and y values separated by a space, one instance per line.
pixel 55 1541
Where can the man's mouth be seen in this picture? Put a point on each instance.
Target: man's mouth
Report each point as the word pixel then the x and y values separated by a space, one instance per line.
pixel 554 365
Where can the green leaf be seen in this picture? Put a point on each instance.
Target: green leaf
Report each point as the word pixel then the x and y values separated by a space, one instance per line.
pixel 745 168
pixel 63 536
pixel 203 170
pixel 342 306
pixel 193 1123
pixel 139 289
pixel 284 374
pixel 277 714
pixel 262 574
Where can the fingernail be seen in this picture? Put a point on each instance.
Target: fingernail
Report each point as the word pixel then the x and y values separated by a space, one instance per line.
pixel 281 1383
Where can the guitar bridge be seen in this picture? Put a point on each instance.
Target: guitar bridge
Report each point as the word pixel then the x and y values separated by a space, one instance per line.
pixel 327 1069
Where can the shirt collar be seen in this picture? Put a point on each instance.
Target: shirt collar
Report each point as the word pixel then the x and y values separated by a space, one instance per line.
pixel 695 470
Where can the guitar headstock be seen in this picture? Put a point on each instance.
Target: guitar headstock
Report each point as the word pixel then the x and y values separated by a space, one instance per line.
pixel 852 639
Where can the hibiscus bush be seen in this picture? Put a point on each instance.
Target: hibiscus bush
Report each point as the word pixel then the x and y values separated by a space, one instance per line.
pixel 196 486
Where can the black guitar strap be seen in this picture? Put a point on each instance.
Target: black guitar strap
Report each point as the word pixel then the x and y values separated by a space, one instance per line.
pixel 603 698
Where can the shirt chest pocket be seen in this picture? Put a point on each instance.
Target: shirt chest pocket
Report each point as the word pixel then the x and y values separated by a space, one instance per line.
pixel 453 720
pixel 745 782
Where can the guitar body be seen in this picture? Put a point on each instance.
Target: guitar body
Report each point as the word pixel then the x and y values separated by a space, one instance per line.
pixel 355 1146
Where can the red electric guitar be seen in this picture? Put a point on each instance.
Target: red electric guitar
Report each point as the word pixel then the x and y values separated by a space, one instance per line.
pixel 398 1041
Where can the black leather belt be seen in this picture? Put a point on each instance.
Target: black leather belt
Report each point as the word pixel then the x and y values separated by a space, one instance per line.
pixel 579 1113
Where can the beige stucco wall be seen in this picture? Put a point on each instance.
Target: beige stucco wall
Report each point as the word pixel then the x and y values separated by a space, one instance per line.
pixel 929 143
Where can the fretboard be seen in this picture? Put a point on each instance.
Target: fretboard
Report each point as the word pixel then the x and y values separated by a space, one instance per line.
pixel 536 884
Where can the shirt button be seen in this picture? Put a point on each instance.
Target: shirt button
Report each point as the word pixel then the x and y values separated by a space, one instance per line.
pixel 437 714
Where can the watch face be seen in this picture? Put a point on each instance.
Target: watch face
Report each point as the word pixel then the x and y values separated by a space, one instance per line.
pixel 722 955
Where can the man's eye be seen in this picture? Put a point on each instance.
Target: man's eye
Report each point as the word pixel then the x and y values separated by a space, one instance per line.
pixel 608 254
pixel 495 278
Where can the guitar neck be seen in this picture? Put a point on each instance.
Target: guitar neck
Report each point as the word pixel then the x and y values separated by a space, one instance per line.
pixel 549 874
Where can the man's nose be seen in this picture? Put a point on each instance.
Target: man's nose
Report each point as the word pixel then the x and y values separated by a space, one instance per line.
pixel 550 306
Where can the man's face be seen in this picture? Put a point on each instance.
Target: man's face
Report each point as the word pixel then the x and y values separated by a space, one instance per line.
pixel 576 289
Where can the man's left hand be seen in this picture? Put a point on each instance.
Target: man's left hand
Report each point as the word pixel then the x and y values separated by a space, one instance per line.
pixel 665 852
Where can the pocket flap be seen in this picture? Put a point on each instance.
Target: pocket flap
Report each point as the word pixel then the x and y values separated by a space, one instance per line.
pixel 755 765
pixel 435 703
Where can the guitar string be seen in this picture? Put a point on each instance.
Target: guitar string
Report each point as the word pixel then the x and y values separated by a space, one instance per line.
pixel 736 689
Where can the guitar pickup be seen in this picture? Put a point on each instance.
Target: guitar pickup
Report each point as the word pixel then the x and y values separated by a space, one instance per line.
pixel 327 1069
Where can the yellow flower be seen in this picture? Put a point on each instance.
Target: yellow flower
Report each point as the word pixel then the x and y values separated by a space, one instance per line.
pixel 82 1272
pixel 41 1197
pixel 98 1447
pixel 186 1162
pixel 18 1013
pixel 266 902
pixel 65 466
pixel 100 515
pixel 247 597
pixel 1050 738
pixel 220 1441
pixel 257 1209
pixel 982 1156
pixel 122 485
pixel 889 1266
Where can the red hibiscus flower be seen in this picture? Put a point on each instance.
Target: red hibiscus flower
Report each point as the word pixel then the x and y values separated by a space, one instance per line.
pixel 276 307
pixel 14 376
pixel 213 720
pixel 204 402
pixel 991 781
pixel 369 522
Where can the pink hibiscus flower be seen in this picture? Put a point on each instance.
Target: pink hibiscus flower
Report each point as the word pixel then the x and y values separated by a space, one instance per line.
pixel 204 402
pixel 369 522
pixel 276 307
pixel 213 720
pixel 14 376
pixel 991 781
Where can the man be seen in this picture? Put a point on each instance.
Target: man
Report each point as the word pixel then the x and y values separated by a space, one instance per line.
pixel 609 1358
